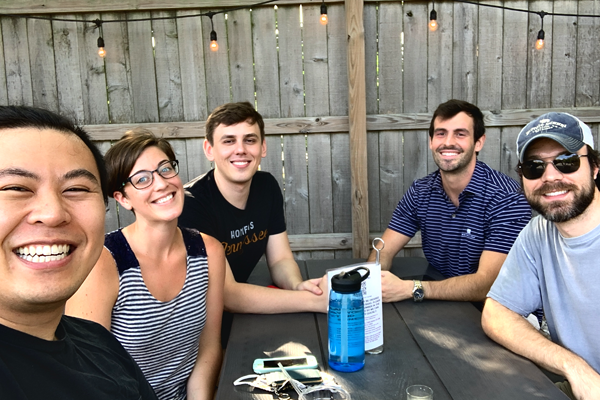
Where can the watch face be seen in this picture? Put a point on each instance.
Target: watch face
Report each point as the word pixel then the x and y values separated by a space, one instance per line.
pixel 418 294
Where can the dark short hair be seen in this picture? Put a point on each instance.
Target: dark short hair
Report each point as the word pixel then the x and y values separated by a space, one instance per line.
pixel 231 114
pixel 451 108
pixel 122 156
pixel 14 117
pixel 593 159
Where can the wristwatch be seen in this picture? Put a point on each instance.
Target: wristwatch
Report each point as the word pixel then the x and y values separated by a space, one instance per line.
pixel 418 292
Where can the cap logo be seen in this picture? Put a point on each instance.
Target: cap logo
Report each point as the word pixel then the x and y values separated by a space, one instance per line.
pixel 544 125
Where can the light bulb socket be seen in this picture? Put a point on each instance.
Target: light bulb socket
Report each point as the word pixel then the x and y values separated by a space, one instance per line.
pixel 100 42
pixel 323 9
pixel 213 35
pixel 541 34
pixel 433 15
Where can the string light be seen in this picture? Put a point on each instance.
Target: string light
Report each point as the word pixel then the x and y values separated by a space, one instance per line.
pixel 323 18
pixel 101 50
pixel 539 43
pixel 433 24
pixel 214 46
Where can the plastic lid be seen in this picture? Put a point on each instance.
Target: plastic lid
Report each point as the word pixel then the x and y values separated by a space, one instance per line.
pixel 348 281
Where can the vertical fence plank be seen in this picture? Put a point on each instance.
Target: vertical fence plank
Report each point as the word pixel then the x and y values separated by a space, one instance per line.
pixel 514 76
pixel 166 59
pixel 414 92
pixel 111 221
pixel 338 105
pixel 143 76
pixel 464 59
pixel 239 32
pixel 215 62
pixel 68 77
pixel 539 80
pixel 42 67
pixel 266 71
pixel 390 58
pixel 514 70
pixel 118 69
pixel 439 64
pixel 316 84
pixel 489 78
pixel 291 85
pixel 371 60
pixel 197 163
pixel 16 58
pixel 191 63
pixel 273 162
pixel 564 54
pixel 588 55
pixel 371 24
pixel 3 89
pixel 93 75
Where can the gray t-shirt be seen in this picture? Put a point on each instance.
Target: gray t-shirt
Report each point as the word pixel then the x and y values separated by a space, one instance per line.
pixel 562 275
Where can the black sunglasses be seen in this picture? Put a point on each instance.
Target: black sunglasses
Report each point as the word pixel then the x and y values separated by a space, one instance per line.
pixel 564 163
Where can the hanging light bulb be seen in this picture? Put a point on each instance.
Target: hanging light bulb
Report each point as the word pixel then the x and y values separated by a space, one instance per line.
pixel 101 51
pixel 539 43
pixel 323 18
pixel 433 25
pixel 214 46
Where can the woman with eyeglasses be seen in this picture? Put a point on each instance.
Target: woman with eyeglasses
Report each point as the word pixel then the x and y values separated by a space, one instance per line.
pixel 157 287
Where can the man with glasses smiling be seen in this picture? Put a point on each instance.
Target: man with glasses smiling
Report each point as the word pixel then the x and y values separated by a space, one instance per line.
pixel 554 261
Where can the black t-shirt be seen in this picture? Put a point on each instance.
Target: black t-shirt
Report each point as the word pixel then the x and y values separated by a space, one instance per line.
pixel 86 362
pixel 243 233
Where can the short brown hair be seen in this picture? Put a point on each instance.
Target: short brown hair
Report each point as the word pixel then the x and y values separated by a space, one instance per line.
pixel 121 157
pixel 451 108
pixel 231 114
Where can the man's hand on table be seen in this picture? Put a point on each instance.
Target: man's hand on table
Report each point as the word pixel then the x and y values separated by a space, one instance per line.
pixel 312 285
pixel 394 288
pixel 585 382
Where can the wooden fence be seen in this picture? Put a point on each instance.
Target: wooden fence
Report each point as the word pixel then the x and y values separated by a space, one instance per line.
pixel 160 74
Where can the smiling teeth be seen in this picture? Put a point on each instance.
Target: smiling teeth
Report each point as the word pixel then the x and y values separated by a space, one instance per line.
pixel 556 193
pixel 164 199
pixel 46 253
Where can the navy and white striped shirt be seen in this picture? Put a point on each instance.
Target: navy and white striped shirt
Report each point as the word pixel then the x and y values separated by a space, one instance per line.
pixel 491 213
pixel 162 337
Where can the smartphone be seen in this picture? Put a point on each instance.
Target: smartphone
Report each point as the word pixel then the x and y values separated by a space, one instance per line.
pixel 306 376
pixel 263 365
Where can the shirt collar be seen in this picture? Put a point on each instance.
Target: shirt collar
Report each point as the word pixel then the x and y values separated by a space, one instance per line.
pixel 475 186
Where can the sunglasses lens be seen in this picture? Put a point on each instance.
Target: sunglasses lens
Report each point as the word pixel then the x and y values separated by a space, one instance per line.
pixel 533 169
pixel 565 164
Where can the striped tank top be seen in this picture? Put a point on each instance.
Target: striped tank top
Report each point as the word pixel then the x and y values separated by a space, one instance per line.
pixel 162 337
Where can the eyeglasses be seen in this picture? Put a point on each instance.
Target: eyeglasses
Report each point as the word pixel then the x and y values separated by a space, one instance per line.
pixel 143 179
pixel 564 163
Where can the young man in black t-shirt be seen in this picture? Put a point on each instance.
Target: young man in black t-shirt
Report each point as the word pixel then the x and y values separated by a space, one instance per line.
pixel 243 208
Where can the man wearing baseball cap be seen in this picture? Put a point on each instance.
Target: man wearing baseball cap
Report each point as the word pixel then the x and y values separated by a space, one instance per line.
pixel 554 263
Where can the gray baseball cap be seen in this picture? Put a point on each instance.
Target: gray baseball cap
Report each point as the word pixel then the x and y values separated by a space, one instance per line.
pixel 563 128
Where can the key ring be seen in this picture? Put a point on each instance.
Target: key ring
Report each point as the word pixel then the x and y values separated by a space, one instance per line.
pixel 377 250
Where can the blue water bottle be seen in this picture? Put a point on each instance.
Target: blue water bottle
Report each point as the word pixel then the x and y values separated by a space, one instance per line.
pixel 346 321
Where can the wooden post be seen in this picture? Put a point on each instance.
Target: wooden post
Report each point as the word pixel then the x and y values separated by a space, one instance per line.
pixel 358 127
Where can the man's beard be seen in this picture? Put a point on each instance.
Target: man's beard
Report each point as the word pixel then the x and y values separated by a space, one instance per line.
pixel 456 166
pixel 563 211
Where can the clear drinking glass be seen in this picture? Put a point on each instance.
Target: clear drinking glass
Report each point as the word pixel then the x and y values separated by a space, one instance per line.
pixel 419 392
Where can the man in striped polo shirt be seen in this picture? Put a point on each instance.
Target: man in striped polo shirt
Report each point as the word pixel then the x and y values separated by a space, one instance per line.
pixel 469 215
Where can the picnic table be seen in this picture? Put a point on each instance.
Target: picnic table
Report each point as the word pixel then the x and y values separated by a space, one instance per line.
pixel 436 343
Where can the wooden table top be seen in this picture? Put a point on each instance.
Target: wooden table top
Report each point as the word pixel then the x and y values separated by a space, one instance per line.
pixel 436 343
